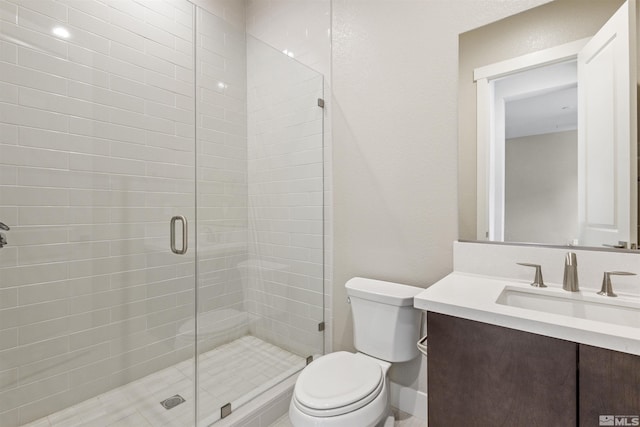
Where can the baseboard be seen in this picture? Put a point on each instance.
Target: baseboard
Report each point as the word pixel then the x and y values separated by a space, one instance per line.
pixel 409 400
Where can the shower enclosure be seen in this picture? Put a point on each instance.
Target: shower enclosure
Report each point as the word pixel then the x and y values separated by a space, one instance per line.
pixel 161 179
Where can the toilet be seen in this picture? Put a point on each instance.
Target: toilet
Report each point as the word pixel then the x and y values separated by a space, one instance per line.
pixel 345 389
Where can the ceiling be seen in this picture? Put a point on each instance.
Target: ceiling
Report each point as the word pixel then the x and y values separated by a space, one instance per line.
pixel 553 110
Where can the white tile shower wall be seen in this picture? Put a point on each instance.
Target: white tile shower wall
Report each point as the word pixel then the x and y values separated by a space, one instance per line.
pixel 96 155
pixel 285 288
pixel 222 172
pixel 303 28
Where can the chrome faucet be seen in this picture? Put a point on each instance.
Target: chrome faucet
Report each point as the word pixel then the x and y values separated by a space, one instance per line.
pixel 570 280
pixel 607 289
pixel 538 282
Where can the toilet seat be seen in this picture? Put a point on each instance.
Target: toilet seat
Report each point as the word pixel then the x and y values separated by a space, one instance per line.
pixel 338 383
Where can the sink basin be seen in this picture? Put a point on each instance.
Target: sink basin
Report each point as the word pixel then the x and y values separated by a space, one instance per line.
pixel 583 317
pixel 578 305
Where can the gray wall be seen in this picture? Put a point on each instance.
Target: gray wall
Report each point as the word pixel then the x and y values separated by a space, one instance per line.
pixel 541 181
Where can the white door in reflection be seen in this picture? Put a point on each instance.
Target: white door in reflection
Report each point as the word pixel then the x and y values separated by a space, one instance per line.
pixel 607 134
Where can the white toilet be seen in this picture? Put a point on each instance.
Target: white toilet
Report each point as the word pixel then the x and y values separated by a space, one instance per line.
pixel 345 389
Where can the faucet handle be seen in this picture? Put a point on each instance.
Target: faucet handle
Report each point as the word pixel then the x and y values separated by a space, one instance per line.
pixel 607 289
pixel 538 282
pixel 621 245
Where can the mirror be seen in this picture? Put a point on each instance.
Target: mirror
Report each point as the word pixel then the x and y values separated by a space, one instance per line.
pixel 529 169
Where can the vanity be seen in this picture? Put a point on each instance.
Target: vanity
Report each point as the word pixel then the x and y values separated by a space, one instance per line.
pixel 501 352
pixel 533 93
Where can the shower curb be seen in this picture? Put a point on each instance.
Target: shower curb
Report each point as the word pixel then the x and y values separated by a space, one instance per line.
pixel 263 410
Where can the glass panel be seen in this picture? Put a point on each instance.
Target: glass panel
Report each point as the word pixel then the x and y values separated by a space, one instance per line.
pixel 96 156
pixel 222 203
pixel 285 151
pixel 260 216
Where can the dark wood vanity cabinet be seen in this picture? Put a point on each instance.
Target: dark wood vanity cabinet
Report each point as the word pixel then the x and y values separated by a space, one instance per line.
pixel 486 375
pixel 609 384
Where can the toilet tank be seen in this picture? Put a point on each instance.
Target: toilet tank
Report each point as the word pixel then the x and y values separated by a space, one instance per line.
pixel 385 324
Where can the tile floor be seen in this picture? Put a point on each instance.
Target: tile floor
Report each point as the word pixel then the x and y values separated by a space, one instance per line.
pixel 402 420
pixel 229 373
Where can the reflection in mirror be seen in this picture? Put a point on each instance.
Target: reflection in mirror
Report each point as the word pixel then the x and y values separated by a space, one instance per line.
pixel 540 152
pixel 527 182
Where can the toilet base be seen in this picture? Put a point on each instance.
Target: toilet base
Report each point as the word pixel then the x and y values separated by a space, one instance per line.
pixel 376 414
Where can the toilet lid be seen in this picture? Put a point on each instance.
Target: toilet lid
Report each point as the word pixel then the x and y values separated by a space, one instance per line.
pixel 337 380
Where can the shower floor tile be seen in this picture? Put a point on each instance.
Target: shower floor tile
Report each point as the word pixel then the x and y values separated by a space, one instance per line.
pixel 227 373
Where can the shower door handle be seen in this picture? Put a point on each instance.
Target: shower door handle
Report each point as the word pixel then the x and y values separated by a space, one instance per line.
pixel 172 233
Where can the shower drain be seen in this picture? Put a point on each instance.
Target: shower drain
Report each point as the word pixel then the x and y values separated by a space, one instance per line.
pixel 172 401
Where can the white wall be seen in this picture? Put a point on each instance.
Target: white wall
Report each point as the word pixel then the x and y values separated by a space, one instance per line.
pixel 394 77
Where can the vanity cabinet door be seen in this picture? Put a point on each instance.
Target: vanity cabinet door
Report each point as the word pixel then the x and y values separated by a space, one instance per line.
pixel 609 385
pixel 486 375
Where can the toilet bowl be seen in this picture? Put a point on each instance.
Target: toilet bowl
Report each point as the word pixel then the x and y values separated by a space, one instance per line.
pixel 341 390
pixel 345 389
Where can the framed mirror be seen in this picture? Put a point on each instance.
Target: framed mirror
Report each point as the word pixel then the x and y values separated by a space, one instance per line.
pixel 546 127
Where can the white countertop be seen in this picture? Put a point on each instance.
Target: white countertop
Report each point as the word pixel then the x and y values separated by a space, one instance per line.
pixel 474 297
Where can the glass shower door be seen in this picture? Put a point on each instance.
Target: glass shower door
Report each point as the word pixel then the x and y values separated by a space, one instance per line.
pixel 133 135
pixel 97 154
pixel 260 216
